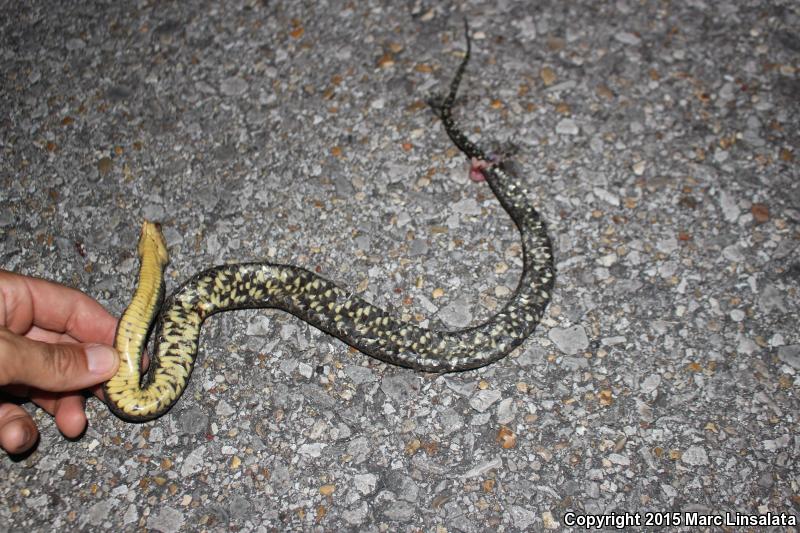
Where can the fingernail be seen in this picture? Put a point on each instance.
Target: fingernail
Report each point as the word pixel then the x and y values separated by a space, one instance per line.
pixel 100 359
pixel 26 437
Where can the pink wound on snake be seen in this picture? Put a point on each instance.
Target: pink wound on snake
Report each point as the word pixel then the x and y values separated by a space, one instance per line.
pixel 476 169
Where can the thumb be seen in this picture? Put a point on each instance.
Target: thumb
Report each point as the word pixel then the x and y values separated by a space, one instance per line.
pixel 55 367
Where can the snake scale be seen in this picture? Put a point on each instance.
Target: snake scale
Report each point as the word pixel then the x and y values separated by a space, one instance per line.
pixel 321 303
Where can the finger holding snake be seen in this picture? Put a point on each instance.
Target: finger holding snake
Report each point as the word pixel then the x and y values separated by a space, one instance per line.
pixel 54 343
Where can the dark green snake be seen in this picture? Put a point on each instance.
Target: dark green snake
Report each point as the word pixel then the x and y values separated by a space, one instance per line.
pixel 322 304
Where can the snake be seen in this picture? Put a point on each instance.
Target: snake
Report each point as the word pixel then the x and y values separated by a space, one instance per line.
pixel 136 396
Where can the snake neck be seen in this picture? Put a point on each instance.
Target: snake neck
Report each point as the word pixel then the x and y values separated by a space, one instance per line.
pixel 135 322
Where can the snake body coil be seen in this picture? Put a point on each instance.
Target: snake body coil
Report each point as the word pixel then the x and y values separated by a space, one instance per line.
pixel 322 304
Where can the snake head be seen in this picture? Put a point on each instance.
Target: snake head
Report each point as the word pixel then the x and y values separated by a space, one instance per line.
pixel 151 241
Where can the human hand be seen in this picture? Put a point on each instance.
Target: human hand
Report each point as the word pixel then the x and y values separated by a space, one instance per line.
pixel 54 342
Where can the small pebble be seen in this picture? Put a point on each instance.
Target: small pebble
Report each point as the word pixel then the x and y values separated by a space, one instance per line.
pixel 567 126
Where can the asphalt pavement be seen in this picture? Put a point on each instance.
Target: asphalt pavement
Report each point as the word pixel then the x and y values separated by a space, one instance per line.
pixel 659 141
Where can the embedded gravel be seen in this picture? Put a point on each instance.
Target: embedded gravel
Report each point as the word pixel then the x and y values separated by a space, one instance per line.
pixel 660 143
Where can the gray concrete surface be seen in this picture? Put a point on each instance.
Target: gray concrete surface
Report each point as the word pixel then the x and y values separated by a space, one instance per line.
pixel 660 140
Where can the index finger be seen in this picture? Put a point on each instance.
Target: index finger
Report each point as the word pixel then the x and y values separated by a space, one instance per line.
pixel 26 302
